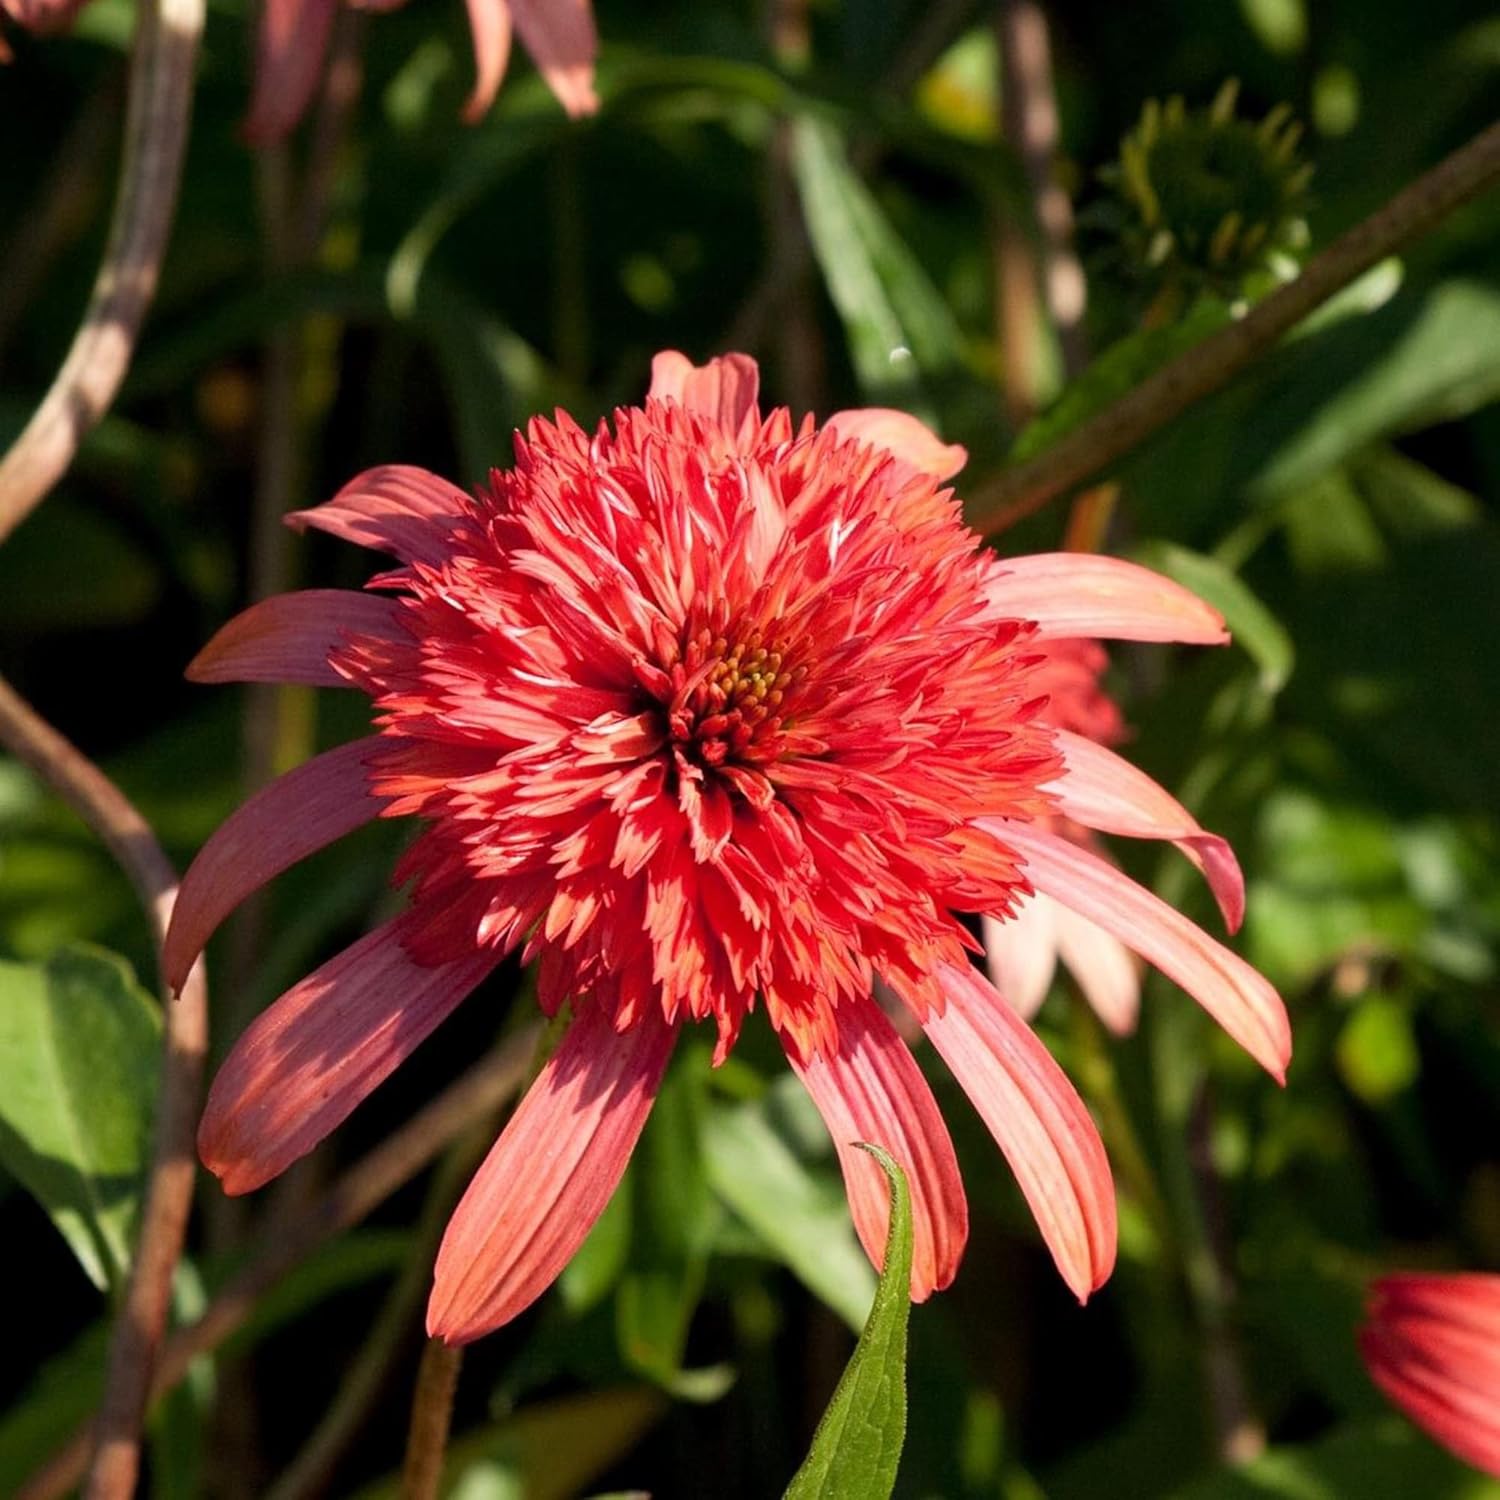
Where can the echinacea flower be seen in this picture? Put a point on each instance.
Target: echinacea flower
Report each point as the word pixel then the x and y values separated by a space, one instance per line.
pixel 1022 949
pixel 703 710
pixel 1432 1344
pixel 294 37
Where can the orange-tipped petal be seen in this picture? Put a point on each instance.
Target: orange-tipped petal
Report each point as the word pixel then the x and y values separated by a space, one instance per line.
pixel 290 50
pixel 297 814
pixel 902 434
pixel 1104 968
pixel 1104 791
pixel 1020 954
pixel 1082 594
pixel 872 1090
pixel 489 21
pixel 1237 997
pixel 287 638
pixel 724 390
pixel 1038 1121
pixel 549 1176
pixel 560 36
pixel 1432 1345
pixel 305 1063
pixel 395 508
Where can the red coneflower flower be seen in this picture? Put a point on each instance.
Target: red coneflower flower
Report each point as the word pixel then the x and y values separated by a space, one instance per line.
pixel 1432 1344
pixel 704 711
pixel 294 36
pixel 1022 950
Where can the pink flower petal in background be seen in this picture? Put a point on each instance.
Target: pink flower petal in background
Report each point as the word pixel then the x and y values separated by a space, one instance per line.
pixel 309 1059
pixel 290 51
pixel 902 434
pixel 1020 952
pixel 1072 594
pixel 287 638
pixel 1432 1344
pixel 1105 792
pixel 549 1176
pixel 560 36
pixel 1038 1121
pixel 297 814
pixel 871 1089
pixel 1103 967
pixel 394 508
pixel 489 22
pixel 1233 993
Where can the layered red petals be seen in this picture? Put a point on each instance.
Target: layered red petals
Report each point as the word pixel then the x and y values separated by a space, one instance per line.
pixel 900 433
pixel 320 1049
pixel 1233 993
pixel 288 638
pixel 395 508
pixel 1432 1344
pixel 870 1089
pixel 290 50
pixel 1038 1121
pixel 297 814
pixel 1104 791
pixel 724 391
pixel 549 1176
pixel 1072 594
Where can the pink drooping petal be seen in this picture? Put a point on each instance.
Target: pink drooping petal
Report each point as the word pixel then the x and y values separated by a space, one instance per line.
pixel 1237 997
pixel 872 1090
pixel 1104 791
pixel 321 1048
pixel 296 815
pixel 1020 954
pixel 560 36
pixel 549 1176
pixel 1072 594
pixel 1038 1121
pixel 290 50
pixel 1103 967
pixel 395 508
pixel 902 434
pixel 1432 1344
pixel 724 390
pixel 489 21
pixel 287 638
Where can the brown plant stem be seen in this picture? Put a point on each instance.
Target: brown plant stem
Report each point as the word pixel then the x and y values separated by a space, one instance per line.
pixel 431 1417
pixel 135 1341
pixel 393 1163
pixel 1026 487
pixel 156 129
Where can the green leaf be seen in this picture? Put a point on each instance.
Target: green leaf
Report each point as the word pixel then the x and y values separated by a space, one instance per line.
pixel 897 325
pixel 79 1052
pixel 802 1216
pixel 857 1447
pixel 1252 625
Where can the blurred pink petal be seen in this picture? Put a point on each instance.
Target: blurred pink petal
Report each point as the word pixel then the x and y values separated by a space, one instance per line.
pixel 1432 1344
pixel 902 434
pixel 549 1176
pixel 1105 792
pixel 290 51
pixel 1237 997
pixel 1038 1121
pixel 1020 952
pixel 1102 966
pixel 287 638
pixel 296 815
pixel 489 21
pixel 560 36
pixel 305 1063
pixel 394 508
pixel 871 1090
pixel 723 391
pixel 1081 594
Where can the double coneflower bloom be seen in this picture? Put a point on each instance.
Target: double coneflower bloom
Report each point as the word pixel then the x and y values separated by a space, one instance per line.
pixel 704 711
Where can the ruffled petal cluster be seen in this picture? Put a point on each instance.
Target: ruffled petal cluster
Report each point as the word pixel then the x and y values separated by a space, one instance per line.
pixel 707 712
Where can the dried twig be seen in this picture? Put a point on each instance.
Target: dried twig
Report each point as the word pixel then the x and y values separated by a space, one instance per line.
pixel 161 81
pixel 137 1334
pixel 1019 491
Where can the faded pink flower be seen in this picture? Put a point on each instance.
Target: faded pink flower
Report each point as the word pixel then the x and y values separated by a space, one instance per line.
pixel 705 711
pixel 1432 1344
pixel 1022 950
pixel 41 16
pixel 294 36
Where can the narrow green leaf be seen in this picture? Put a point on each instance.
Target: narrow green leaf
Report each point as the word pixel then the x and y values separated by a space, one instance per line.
pixel 79 1052
pixel 1252 625
pixel 857 1447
